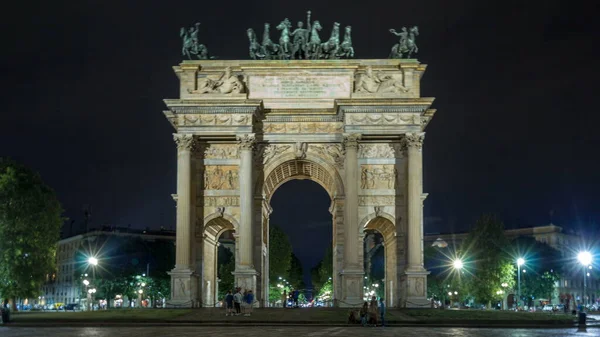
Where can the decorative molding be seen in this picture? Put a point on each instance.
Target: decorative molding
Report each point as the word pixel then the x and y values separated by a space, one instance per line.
pixel 303 127
pixel 246 141
pixel 222 151
pixel 184 142
pixel 378 177
pixel 219 201
pixel 377 200
pixel 383 119
pixel 351 140
pixel 311 118
pixel 334 152
pixel 413 140
pixel 216 119
pixel 208 110
pixel 378 150
pixel 300 150
pixel 269 151
pixel 384 109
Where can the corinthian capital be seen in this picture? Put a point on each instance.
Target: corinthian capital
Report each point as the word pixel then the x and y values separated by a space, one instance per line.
pixel 414 140
pixel 246 141
pixel 184 142
pixel 351 140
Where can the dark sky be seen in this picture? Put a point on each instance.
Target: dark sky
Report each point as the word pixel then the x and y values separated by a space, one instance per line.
pixel 515 133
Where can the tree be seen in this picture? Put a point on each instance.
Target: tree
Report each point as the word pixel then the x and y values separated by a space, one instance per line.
pixel 543 265
pixel 296 273
pixel 280 253
pixel 323 271
pixel 490 265
pixel 225 272
pixel 30 222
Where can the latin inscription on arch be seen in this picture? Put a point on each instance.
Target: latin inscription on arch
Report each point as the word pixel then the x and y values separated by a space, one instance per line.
pixel 300 86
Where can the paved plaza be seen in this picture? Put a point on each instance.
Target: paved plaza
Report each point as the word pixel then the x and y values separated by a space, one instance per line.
pixel 287 331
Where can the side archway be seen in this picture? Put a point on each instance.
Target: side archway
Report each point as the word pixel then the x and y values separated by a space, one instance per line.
pixel 383 223
pixel 208 243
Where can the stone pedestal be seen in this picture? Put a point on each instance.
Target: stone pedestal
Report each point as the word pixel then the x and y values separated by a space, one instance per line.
pixel 184 289
pixel 352 288
pixel 415 288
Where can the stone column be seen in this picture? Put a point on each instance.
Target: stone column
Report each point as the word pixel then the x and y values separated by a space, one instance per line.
pixel 184 207
pixel 245 274
pixel 416 275
pixel 184 281
pixel 352 274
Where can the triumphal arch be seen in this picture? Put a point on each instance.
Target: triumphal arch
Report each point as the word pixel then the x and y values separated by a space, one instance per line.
pixel 244 128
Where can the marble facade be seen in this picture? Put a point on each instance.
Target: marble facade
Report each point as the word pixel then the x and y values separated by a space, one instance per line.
pixel 330 121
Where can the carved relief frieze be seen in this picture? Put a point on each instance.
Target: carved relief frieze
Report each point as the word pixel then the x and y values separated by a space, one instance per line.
pixel 216 119
pixel 269 151
pixel 225 83
pixel 219 177
pixel 221 151
pixel 377 177
pixel 383 119
pixel 369 82
pixel 378 150
pixel 376 200
pixel 219 201
pixel 303 127
pixel 333 152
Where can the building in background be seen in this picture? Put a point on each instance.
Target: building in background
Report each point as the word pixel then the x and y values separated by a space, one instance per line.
pixel 567 243
pixel 118 250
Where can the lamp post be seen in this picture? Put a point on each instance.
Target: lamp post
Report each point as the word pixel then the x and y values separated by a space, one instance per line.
pixel 92 261
pixel 520 262
pixel 585 258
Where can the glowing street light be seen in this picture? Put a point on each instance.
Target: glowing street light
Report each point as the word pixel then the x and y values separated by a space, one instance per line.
pixel 520 262
pixel 93 261
pixel 457 264
pixel 585 258
pixel 86 282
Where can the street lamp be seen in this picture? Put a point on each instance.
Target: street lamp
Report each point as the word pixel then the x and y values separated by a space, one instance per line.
pixel 520 262
pixel 457 264
pixel 92 261
pixel 585 258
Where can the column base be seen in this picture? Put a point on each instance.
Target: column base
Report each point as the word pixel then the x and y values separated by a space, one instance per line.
pixel 246 279
pixel 184 289
pixel 352 288
pixel 414 285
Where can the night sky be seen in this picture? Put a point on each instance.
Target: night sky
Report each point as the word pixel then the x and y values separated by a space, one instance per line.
pixel 515 132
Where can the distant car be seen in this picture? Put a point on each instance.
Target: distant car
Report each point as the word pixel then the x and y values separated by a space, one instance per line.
pixel 548 307
pixel 72 306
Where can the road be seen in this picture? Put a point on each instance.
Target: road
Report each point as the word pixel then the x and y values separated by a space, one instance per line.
pixel 287 332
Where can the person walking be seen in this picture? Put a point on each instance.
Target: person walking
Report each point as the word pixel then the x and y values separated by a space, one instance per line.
pixel 237 301
pixel 382 311
pixel 229 303
pixel 249 303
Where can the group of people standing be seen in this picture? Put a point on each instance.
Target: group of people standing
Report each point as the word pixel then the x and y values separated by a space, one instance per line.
pixel 373 312
pixel 237 303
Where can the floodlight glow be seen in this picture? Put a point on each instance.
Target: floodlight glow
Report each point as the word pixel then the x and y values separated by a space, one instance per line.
pixel 93 261
pixel 458 264
pixel 585 258
pixel 520 261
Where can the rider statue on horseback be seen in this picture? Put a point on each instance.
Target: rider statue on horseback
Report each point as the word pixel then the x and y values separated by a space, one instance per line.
pixel 407 44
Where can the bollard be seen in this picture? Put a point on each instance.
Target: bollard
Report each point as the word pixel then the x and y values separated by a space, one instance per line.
pixel 581 327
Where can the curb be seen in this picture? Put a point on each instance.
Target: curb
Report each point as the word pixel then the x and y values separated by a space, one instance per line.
pixel 292 324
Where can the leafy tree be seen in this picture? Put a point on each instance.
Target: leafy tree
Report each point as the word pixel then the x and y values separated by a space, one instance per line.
pixel 323 271
pixel 30 221
pixel 280 253
pixel 543 265
pixel 225 272
pixel 489 264
pixel 296 274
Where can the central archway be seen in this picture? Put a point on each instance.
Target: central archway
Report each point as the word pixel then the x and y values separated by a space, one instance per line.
pixel 315 169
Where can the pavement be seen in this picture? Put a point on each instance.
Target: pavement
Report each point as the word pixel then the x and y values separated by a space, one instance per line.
pixel 288 332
